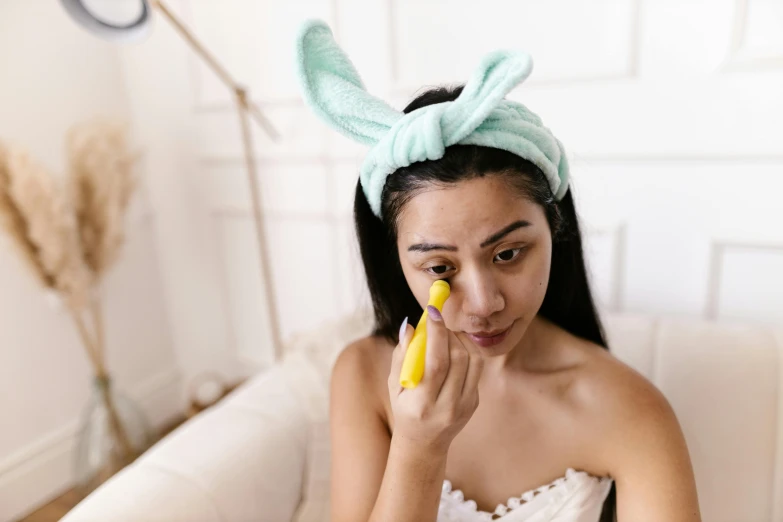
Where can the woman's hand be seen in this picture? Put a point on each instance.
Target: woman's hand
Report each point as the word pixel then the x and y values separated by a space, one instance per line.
pixel 430 415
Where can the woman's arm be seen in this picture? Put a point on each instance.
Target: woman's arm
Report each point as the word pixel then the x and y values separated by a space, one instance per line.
pixel 363 487
pixel 649 457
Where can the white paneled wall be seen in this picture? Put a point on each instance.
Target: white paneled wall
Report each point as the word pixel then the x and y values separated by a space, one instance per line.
pixel 569 41
pixel 670 111
pixel 745 281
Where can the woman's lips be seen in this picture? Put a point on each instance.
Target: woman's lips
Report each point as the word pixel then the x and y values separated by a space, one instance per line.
pixel 486 341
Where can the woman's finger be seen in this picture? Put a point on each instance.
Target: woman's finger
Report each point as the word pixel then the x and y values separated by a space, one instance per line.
pixel 436 364
pixel 398 356
pixel 459 359
pixel 475 366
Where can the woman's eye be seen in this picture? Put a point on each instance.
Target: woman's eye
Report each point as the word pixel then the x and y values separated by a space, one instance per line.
pixel 505 256
pixel 508 255
pixel 438 270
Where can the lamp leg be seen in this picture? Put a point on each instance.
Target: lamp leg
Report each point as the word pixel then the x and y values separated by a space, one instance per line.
pixel 266 269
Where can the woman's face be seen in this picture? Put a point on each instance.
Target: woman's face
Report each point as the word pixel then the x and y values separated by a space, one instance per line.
pixel 492 245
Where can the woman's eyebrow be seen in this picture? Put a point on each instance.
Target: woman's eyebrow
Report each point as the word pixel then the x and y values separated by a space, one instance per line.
pixel 494 238
pixel 497 236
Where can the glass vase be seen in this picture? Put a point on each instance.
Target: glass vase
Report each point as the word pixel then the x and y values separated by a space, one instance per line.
pixel 114 431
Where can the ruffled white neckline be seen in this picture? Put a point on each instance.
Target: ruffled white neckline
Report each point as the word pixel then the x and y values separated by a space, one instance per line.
pixel 514 503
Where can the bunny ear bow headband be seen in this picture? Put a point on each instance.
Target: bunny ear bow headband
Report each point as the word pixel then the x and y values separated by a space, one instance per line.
pixel 479 116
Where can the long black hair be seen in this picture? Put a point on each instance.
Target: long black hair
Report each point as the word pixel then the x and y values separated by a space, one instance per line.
pixel 568 301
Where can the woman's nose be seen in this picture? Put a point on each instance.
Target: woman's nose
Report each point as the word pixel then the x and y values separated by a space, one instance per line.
pixel 481 296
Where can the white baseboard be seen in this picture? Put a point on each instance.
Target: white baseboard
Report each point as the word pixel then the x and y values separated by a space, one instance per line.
pixel 44 469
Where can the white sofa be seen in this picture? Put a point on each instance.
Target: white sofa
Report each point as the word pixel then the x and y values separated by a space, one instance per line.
pixel 262 454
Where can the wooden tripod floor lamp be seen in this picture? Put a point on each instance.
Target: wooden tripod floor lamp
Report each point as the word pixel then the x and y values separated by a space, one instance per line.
pixel 135 24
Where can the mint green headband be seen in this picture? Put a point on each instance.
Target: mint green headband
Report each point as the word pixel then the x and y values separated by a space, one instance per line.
pixel 479 116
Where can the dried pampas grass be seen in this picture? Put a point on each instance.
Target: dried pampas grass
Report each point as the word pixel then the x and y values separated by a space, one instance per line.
pixel 70 233
pixel 100 183
pixel 40 223
pixel 13 221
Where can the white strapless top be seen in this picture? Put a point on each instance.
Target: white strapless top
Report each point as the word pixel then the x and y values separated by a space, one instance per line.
pixel 576 497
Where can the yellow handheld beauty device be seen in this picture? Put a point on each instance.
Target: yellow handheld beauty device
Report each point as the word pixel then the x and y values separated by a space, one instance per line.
pixel 413 364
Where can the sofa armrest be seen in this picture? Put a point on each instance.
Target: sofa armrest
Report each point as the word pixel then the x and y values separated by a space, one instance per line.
pixel 241 460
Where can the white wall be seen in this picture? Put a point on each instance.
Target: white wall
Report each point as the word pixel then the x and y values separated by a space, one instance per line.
pixel 673 133
pixel 53 75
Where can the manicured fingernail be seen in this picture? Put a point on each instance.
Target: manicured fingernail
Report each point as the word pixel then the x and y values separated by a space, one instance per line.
pixel 403 327
pixel 434 312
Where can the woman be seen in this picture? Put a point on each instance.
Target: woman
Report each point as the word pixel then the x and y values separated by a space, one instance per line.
pixel 471 188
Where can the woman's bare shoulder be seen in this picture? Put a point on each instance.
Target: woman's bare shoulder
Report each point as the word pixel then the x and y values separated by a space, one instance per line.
pixel 603 385
pixel 620 406
pixel 636 438
pixel 607 384
pixel 371 354
pixel 367 362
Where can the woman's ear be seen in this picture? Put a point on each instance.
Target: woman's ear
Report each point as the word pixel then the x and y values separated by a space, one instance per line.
pixel 333 88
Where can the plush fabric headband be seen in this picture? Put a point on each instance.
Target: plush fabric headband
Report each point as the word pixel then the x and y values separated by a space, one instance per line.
pixel 479 116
